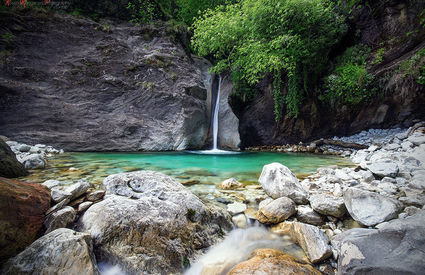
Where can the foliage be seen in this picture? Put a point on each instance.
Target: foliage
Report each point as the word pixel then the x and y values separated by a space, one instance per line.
pixel 255 37
pixel 379 56
pixel 414 67
pixel 350 83
pixel 188 10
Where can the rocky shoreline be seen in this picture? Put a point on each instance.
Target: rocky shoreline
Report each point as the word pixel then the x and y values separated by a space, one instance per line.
pixel 146 221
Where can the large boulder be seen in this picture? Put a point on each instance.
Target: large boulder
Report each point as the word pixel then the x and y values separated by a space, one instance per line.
pixel 395 248
pixel 148 222
pixel 276 211
pixel 62 251
pixel 10 167
pixel 369 208
pixel 135 81
pixel 271 261
pixel 278 181
pixel 383 169
pixel 328 205
pixel 34 161
pixel 22 212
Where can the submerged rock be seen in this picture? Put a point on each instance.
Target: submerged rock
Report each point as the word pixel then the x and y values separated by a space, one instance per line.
pixel 271 261
pixel 62 251
pixel 10 167
pixel 369 208
pixel 22 212
pixel 278 181
pixel 397 247
pixel 154 225
pixel 276 211
pixel 230 184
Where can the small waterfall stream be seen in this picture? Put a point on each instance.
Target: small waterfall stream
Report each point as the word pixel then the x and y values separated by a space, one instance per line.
pixel 215 115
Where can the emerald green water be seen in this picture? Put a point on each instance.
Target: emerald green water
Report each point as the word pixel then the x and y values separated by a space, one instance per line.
pixel 184 166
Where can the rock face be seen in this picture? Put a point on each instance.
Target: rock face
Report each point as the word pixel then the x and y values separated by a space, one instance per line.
pixel 148 222
pixel 328 205
pixel 276 211
pixel 62 251
pixel 370 208
pixel 22 211
pixel 135 82
pixel 270 261
pixel 278 181
pixel 396 248
pixel 10 167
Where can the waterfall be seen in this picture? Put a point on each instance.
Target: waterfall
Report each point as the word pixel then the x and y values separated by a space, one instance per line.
pixel 215 115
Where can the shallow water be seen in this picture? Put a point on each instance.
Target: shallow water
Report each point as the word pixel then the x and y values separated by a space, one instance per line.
pixel 186 167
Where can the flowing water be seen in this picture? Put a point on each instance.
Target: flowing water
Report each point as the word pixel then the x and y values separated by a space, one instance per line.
pixel 215 115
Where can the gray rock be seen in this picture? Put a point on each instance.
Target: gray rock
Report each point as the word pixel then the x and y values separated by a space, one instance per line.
pixel 23 148
pixel 417 139
pixel 306 214
pixel 312 240
pixel 59 195
pixel 236 208
pixel 384 169
pixel 59 219
pixel 411 210
pixel 156 226
pixel 276 211
pixel 51 183
pixel 398 247
pixel 328 205
pixel 370 208
pixel 278 181
pixel 95 195
pixel 62 251
pixel 10 167
pixel 240 221
pixel 84 206
pixel 230 184
pixel 58 206
pixel 78 188
pixel 406 145
pixel 33 161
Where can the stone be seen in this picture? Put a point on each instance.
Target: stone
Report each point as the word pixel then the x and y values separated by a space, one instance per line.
pixel 78 189
pixel 401 242
pixel 154 226
pixel 58 206
pixel 406 145
pixel 95 195
pixel 51 183
pixel 33 161
pixel 276 211
pixel 417 139
pixel 59 195
pixel 240 221
pixel 271 261
pixel 328 205
pixel 22 212
pixel 10 167
pixel 24 148
pixel 63 251
pixel 337 192
pixel 312 240
pixel 230 184
pixel 60 219
pixel 236 208
pixel 339 173
pixel 384 169
pixel 278 181
pixel 369 208
pixel 84 206
pixel 306 214
pixel 411 210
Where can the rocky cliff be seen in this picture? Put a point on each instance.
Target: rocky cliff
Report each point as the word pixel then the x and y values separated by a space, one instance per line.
pixel 87 86
pixel 393 30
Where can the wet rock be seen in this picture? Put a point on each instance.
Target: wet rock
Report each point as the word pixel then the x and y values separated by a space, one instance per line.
pixel 95 195
pixel 240 221
pixel 10 167
pixel 270 261
pixel 60 219
pixel 22 208
pixel 328 205
pixel 230 184
pixel 155 226
pixel 384 169
pixel 401 242
pixel 369 208
pixel 278 181
pixel 306 214
pixel 236 208
pixel 313 241
pixel 62 251
pixel 276 211
pixel 33 161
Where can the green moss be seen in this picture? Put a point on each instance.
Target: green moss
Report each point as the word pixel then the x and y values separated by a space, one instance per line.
pixel 190 214
pixel 186 262
pixel 414 67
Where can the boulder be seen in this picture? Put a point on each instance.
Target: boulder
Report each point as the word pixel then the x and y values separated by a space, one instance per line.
pixel 240 221
pixel 369 208
pixel 276 211
pixel 278 181
pixel 328 205
pixel 312 240
pixel 60 219
pixel 271 261
pixel 397 247
pixel 306 214
pixel 236 207
pixel 22 212
pixel 154 225
pixel 230 184
pixel 62 251
pixel 33 161
pixel 78 189
pixel 10 167
pixel 383 169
